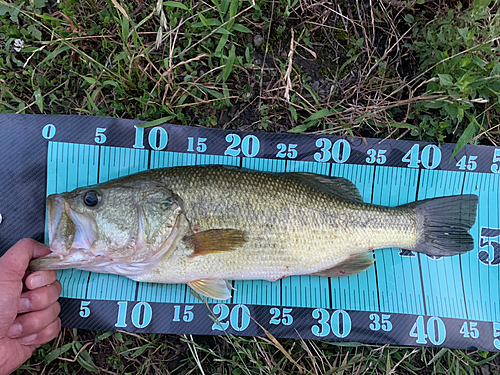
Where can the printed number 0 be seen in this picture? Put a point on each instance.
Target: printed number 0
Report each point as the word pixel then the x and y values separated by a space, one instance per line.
pixel 48 131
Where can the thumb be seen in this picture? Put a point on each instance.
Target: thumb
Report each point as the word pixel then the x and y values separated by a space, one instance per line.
pixel 14 263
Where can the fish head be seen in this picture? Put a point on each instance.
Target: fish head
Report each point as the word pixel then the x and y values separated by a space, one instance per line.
pixel 121 226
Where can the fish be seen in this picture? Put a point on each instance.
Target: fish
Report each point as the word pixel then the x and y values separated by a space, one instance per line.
pixel 207 225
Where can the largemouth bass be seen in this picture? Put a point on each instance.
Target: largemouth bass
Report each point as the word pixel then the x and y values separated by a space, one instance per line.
pixel 204 225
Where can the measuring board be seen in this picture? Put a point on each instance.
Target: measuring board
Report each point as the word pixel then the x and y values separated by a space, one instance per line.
pixel 406 298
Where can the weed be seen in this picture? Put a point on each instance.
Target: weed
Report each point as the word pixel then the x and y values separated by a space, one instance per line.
pixel 461 67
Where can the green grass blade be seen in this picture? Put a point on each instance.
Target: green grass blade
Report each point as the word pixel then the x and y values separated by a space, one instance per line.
pixel 465 138
pixel 228 68
pixel 175 4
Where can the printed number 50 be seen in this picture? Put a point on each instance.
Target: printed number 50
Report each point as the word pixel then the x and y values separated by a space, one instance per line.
pixel 495 168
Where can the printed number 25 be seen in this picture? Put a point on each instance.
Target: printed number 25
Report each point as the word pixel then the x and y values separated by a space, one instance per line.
pixel 291 154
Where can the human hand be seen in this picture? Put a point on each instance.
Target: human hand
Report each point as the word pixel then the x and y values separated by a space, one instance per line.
pixel 28 305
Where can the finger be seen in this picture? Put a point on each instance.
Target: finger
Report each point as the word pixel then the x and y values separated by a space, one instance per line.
pixel 33 322
pixel 48 333
pixel 15 261
pixel 40 278
pixel 39 299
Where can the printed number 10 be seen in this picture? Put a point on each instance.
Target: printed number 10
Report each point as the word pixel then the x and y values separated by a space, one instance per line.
pixel 141 315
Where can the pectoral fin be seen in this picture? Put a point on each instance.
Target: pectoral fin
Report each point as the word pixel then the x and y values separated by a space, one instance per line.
pixel 353 265
pixel 212 288
pixel 215 241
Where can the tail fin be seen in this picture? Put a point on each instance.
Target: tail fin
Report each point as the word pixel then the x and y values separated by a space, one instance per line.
pixel 443 224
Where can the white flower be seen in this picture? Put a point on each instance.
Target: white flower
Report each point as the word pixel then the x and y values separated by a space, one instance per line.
pixel 18 45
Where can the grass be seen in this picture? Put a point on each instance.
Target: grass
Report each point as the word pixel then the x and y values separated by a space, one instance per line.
pixel 85 352
pixel 416 69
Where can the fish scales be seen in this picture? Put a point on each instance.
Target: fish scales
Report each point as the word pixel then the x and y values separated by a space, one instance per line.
pixel 312 231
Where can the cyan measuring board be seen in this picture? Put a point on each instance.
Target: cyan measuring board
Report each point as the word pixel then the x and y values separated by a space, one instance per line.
pixel 405 298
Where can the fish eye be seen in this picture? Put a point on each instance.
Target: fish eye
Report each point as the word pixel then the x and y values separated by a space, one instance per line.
pixel 168 202
pixel 91 198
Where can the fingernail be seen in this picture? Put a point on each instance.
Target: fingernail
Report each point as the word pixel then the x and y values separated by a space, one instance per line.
pixel 37 281
pixel 23 305
pixel 27 339
pixel 14 330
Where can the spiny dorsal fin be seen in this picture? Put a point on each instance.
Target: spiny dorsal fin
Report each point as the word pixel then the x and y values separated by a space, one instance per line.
pixel 338 187
pixel 212 288
pixel 353 265
pixel 215 241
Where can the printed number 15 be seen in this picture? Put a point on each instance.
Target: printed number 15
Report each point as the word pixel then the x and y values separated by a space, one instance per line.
pixel 201 146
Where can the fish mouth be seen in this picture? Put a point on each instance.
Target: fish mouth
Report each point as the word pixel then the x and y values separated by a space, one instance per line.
pixel 71 236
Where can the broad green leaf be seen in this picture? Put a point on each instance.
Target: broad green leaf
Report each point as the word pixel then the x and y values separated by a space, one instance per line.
pixel 224 5
pixel 203 20
pixel 175 4
pixel 89 80
pixel 241 28
pixel 57 352
pixel 224 31
pixel 293 112
pixel 39 3
pixel 228 68
pixel 465 61
pixel 301 128
pixel 214 93
pixel 409 18
pixel 125 28
pixel 463 32
pixel 85 364
pixel 221 44
pixel 320 114
pixel 445 79
pixel 496 70
pixel 465 138
pixel 153 123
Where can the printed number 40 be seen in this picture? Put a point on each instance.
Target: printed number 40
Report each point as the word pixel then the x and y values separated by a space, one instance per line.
pixel 436 331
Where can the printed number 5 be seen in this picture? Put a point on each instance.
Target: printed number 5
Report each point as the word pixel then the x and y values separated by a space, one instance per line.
pixel 84 309
pixel 496 333
pixel 99 135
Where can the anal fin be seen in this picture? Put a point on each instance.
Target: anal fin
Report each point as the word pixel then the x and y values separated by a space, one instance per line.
pixel 212 288
pixel 355 264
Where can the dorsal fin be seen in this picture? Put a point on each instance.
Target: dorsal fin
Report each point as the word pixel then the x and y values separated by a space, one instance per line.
pixel 337 187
